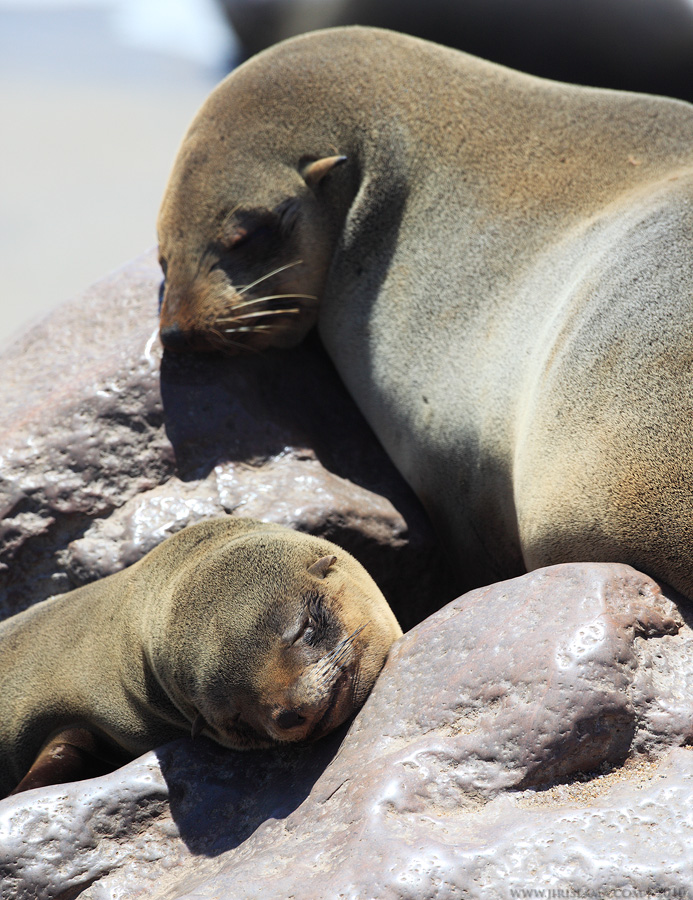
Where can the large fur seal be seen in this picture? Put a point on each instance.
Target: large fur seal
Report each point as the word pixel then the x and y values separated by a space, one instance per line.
pixel 501 268
pixel 248 632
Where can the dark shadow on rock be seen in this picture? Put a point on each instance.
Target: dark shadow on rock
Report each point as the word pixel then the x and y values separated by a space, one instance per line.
pixel 219 797
pixel 17 557
pixel 682 603
pixel 249 409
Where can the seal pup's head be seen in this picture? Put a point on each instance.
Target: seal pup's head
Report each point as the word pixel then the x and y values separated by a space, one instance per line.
pixel 270 635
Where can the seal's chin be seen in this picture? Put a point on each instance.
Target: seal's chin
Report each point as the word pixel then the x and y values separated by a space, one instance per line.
pixel 238 734
pixel 286 724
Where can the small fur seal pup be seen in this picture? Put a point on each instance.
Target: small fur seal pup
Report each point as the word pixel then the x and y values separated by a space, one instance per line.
pixel 247 632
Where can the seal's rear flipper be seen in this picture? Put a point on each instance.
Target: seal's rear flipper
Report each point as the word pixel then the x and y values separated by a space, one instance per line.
pixel 73 754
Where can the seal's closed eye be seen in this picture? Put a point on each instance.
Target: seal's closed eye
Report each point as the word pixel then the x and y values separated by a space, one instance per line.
pixel 304 631
pixel 252 227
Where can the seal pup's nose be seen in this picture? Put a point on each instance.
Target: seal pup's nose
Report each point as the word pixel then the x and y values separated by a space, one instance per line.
pixel 289 718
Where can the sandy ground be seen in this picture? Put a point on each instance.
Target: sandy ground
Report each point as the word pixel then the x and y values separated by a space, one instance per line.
pixel 89 129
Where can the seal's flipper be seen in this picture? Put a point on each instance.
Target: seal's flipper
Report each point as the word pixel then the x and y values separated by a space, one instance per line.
pixel 71 755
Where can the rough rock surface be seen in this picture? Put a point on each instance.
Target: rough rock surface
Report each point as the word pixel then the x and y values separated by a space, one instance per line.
pixel 465 774
pixel 531 735
pixel 106 449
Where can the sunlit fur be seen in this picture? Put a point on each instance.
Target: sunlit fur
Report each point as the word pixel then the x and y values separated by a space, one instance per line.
pixel 505 283
pixel 222 630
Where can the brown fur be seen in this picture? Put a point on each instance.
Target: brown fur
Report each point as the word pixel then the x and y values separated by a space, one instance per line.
pixel 505 283
pixel 222 629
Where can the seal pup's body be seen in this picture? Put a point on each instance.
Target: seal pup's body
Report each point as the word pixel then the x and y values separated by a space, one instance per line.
pixel 503 269
pixel 245 631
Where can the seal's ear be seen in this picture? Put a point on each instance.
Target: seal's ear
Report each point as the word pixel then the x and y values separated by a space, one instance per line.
pixel 313 172
pixel 319 568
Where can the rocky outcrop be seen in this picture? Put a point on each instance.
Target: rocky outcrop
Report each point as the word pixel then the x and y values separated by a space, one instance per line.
pixel 530 736
pixel 106 449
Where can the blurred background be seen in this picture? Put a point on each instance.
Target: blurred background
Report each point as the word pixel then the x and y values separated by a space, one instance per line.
pixel 95 96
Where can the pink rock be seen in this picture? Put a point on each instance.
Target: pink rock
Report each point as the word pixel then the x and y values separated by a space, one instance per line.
pixel 441 787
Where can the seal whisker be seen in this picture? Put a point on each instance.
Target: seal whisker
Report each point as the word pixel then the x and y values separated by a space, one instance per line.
pixel 247 287
pixel 355 682
pixel 261 314
pixel 220 341
pixel 337 654
pixel 269 328
pixel 244 304
pixel 250 329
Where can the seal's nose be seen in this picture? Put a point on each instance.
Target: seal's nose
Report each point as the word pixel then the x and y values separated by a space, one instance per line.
pixel 289 718
pixel 173 338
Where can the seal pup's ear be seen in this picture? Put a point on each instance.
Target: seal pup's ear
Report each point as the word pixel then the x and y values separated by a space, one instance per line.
pixel 313 172
pixel 320 568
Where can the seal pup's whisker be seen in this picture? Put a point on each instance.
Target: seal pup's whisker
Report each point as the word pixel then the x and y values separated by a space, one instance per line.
pixel 355 682
pixel 337 654
pixel 247 287
pixel 251 329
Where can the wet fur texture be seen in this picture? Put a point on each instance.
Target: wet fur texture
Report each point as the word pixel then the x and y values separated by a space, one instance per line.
pixel 220 630
pixel 504 274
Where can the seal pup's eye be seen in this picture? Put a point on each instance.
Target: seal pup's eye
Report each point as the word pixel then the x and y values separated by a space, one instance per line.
pixel 306 632
pixel 313 625
pixel 309 632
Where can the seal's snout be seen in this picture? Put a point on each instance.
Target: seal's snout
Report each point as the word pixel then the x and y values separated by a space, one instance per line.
pixel 173 338
pixel 180 340
pixel 310 723
pixel 288 719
